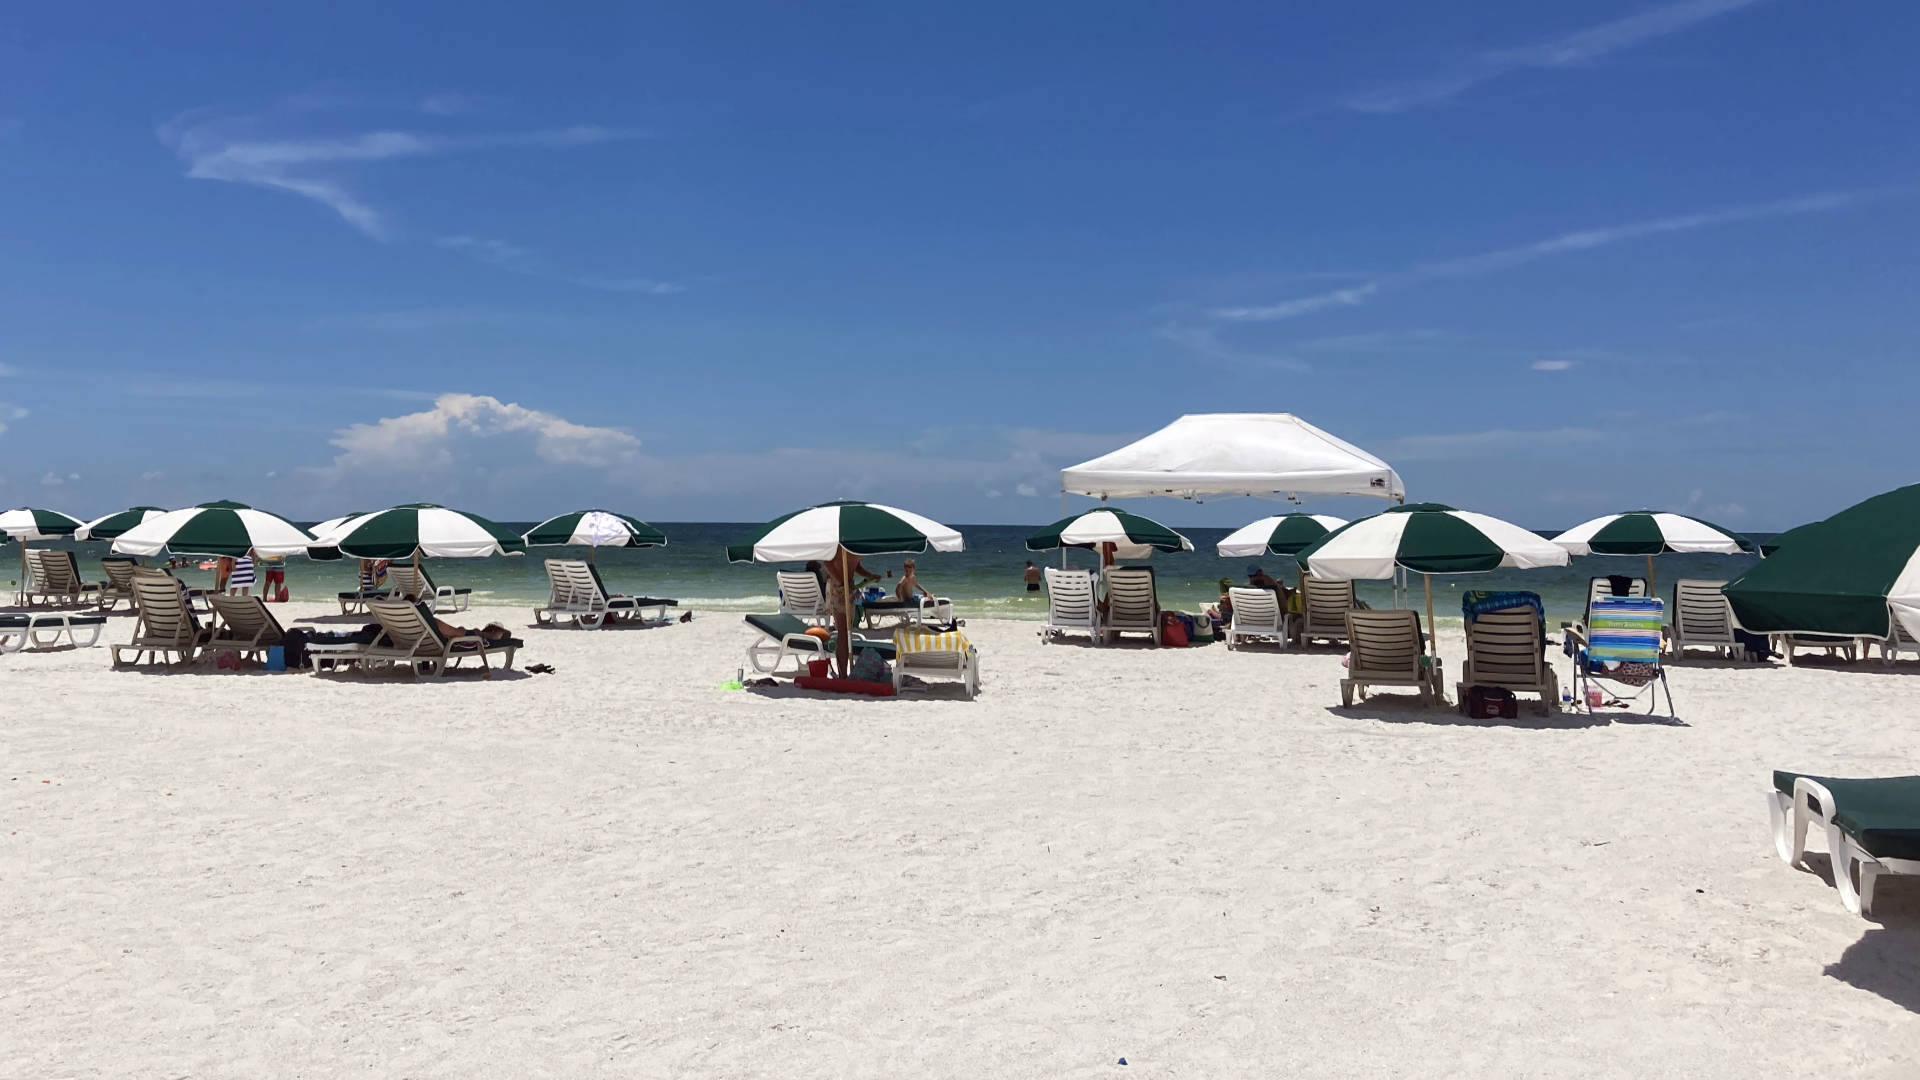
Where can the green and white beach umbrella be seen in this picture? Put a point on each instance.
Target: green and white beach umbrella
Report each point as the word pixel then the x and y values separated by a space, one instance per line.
pixel 33 523
pixel 1427 538
pixel 1848 575
pixel 592 529
pixel 1780 540
pixel 858 528
pixel 1650 533
pixel 417 529
pixel 1282 534
pixel 113 525
pixel 844 531
pixel 321 530
pixel 1133 536
pixel 215 528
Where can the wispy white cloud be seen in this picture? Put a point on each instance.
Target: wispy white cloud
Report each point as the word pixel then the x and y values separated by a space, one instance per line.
pixel 1205 340
pixel 54 479
pixel 9 413
pixel 1466 444
pixel 1579 48
pixel 217 147
pixel 519 260
pixel 1555 365
pixel 447 104
pixel 1563 244
pixel 8 370
pixel 1027 490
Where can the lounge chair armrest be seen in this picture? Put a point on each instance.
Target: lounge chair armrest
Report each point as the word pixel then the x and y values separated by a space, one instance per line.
pixel 804 643
pixel 479 643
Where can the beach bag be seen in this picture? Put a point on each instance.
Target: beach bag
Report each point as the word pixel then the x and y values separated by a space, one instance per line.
pixel 1173 632
pixel 1491 703
pixel 870 666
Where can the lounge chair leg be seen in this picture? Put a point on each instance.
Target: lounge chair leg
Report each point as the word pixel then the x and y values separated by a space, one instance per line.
pixel 1789 829
pixel 1346 693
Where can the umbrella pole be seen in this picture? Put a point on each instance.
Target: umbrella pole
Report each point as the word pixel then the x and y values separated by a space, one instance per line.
pixel 591 548
pixel 843 645
pixel 1651 590
pixel 1432 647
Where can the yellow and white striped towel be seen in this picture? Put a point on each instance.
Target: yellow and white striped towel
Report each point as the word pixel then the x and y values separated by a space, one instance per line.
pixel 928 641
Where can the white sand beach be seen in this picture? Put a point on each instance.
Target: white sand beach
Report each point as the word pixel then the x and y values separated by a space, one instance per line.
pixel 1190 859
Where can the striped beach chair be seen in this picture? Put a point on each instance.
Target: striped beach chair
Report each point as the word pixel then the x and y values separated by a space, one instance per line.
pixel 1621 646
pixel 944 653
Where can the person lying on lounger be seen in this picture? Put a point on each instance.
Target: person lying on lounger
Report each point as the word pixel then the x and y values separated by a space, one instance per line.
pixel 489 632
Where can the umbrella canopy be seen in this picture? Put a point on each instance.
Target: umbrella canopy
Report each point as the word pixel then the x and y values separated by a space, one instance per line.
pixel 1842 576
pixel 1650 532
pixel 595 528
pixel 1133 536
pixel 425 528
pixel 321 530
pixel 1780 540
pixel 1235 454
pixel 1283 534
pixel 33 523
pixel 1430 539
pixel 215 528
pixel 113 525
pixel 1427 538
pixel 822 532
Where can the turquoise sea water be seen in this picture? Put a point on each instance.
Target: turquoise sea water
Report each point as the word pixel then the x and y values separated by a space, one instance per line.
pixel 984 580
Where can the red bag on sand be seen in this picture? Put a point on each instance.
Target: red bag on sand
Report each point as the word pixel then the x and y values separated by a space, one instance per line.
pixel 1173 632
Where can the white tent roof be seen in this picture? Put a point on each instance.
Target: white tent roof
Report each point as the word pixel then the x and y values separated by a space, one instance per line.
pixel 1235 454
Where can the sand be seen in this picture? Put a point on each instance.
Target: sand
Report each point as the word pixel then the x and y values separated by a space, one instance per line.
pixel 1190 859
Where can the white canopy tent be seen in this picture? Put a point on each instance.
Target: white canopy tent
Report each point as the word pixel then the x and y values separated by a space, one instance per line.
pixel 1235 454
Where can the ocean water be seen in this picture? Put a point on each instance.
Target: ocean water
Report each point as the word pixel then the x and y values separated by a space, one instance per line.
pixel 984 581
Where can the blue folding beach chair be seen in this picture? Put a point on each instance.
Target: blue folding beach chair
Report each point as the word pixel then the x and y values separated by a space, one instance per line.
pixel 1621 647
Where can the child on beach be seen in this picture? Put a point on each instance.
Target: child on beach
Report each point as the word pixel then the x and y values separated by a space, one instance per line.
pixel 910 585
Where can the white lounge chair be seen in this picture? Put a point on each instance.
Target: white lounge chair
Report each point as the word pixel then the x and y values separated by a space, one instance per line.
pixel 1133 604
pixel 935 654
pixel 1833 646
pixel 1868 825
pixel 119 583
pixel 1602 587
pixel 1323 609
pixel 244 625
pixel 417 585
pixel 42 629
pixel 1702 619
pixel 1897 641
pixel 166 625
pixel 801 596
pixel 1387 650
pixel 784 637
pixel 410 638
pixel 53 577
pixel 1071 608
pixel 1256 615
pixel 1507 649
pixel 577 595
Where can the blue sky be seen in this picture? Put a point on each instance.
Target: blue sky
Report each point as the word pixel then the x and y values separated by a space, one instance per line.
pixel 719 261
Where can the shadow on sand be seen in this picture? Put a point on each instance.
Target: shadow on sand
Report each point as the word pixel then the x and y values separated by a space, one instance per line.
pixel 1886 959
